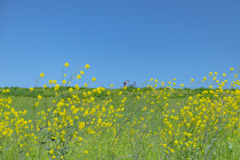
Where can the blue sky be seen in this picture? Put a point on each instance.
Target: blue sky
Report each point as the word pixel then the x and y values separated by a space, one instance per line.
pixel 121 40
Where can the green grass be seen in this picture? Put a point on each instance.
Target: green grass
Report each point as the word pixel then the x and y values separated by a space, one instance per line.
pixel 142 136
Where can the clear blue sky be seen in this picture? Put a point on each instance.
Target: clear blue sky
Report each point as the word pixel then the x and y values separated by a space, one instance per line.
pixel 120 39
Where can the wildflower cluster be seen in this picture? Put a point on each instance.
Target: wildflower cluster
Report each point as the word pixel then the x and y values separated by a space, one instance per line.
pixel 74 122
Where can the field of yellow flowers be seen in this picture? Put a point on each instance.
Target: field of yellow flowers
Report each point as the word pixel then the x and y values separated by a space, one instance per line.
pixel 161 121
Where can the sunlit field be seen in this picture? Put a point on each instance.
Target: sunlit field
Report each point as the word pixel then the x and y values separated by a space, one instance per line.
pixel 164 120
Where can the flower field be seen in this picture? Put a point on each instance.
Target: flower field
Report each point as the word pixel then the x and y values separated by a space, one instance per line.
pixel 161 121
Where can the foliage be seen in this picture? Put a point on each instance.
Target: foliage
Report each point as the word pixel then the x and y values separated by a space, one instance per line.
pixel 61 122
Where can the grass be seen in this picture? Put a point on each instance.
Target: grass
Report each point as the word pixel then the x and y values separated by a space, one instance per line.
pixel 129 123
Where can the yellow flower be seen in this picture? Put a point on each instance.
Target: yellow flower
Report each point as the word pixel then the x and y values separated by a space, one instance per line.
pixel 50 81
pixel 65 75
pixel 53 157
pixel 31 89
pixel 86 152
pixel 93 79
pixel 192 80
pixel 231 69
pixel 51 151
pixel 224 74
pixel 182 85
pixel 42 75
pixel 176 142
pixel 36 104
pixel 78 77
pixel 82 73
pixel 27 154
pixel 85 85
pixel 99 121
pixel 76 87
pixel 39 97
pixel 57 87
pixel 87 66
pixel 64 81
pixel 54 81
pixel 66 65
pixel 151 79
pixel 111 85
pixel 80 138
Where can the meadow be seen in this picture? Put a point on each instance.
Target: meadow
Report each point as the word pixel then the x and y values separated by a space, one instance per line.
pixel 160 121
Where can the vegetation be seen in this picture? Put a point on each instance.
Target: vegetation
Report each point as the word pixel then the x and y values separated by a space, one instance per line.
pixel 60 122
